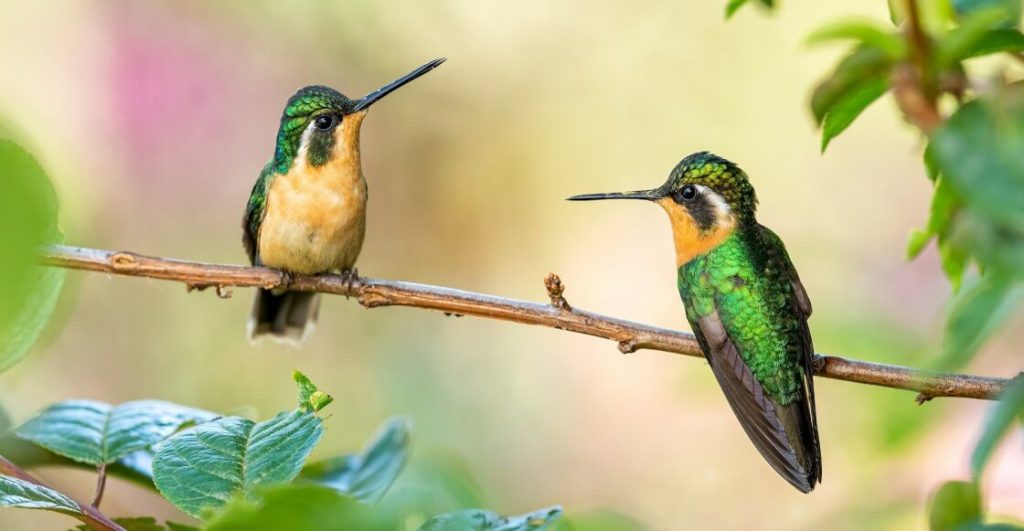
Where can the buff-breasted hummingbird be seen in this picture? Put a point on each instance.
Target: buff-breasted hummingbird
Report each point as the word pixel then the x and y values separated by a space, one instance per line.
pixel 747 308
pixel 307 212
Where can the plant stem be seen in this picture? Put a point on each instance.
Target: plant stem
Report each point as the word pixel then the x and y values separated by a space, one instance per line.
pixel 101 483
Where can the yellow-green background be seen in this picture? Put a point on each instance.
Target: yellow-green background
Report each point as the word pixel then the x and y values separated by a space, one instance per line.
pixel 154 118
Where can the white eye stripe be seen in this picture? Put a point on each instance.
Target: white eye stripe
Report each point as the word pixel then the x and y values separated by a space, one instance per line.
pixel 721 205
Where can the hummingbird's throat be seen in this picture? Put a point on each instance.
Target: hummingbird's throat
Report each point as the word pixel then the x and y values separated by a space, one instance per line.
pixel 691 240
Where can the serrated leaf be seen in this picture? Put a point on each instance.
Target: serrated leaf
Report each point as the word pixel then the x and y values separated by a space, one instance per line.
pixel 980 152
pixel 16 492
pixel 97 433
pixel 977 311
pixel 366 476
pixel 299 507
pixel 1009 407
pixel 311 399
pixel 203 467
pixel 28 220
pixel 847 109
pixel 864 66
pixel 134 467
pixel 482 520
pixel 862 31
pixel 955 505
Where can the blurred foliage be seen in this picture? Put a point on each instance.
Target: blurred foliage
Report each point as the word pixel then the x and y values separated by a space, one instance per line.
pixel 368 475
pixel 28 211
pixel 975 159
pixel 234 473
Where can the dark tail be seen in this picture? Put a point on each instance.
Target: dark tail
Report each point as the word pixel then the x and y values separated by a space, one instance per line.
pixel 288 317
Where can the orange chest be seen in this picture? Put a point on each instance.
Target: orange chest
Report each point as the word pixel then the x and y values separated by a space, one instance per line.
pixel 315 219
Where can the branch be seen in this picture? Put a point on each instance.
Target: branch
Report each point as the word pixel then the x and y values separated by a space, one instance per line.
pixel 373 293
pixel 90 516
pixel 912 86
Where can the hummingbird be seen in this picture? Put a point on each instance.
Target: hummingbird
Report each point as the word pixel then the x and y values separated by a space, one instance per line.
pixel 747 308
pixel 307 211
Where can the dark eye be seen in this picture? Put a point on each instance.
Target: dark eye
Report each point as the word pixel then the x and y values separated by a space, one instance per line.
pixel 325 122
pixel 687 193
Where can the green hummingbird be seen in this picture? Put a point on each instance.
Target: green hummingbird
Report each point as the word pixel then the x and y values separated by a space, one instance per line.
pixel 307 211
pixel 747 308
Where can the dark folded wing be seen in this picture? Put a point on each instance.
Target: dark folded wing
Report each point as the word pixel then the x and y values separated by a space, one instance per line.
pixel 255 208
pixel 780 433
pixel 778 250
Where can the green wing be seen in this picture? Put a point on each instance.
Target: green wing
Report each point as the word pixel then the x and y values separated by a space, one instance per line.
pixel 255 209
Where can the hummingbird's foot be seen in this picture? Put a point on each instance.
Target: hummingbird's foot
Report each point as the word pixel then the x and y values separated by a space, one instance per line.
pixel 350 277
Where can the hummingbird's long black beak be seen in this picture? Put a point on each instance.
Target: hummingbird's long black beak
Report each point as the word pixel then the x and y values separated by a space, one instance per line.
pixel 647 195
pixel 372 97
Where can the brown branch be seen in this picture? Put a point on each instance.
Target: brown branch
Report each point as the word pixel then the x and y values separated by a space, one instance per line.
pixel 373 293
pixel 912 85
pixel 90 516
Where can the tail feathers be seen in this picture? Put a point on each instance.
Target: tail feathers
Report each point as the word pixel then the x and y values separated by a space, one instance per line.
pixel 287 317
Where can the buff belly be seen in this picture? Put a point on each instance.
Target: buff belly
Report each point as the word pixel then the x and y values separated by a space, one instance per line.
pixel 314 223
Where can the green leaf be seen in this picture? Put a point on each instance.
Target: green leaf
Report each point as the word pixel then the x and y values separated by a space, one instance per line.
pixel 203 467
pixel 863 67
pixel 956 505
pixel 16 492
pixel 953 258
pixel 996 41
pixel 931 166
pixel 97 433
pixel 977 311
pixel 896 14
pixel 299 507
pixel 482 520
pixel 734 5
pixel 28 220
pixel 134 467
pixel 366 476
pixel 848 108
pixel 918 241
pixel 862 31
pixel 980 151
pixel 311 399
pixel 961 42
pixel 1009 407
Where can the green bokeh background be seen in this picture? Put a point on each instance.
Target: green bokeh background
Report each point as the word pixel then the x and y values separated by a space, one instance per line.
pixel 154 118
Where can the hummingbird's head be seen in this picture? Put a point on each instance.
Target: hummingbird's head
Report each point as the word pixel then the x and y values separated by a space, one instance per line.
pixel 319 123
pixel 706 198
